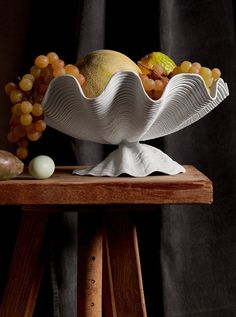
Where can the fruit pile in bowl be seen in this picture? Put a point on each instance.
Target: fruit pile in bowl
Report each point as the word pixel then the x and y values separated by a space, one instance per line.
pixel 124 103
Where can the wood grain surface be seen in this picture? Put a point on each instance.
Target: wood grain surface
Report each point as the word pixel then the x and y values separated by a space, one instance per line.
pixel 123 293
pixel 27 266
pixel 90 241
pixel 63 188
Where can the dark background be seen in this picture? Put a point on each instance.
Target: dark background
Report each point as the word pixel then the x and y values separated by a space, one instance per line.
pixel 188 253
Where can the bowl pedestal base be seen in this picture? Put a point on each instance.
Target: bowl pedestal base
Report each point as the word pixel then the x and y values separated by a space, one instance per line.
pixel 135 159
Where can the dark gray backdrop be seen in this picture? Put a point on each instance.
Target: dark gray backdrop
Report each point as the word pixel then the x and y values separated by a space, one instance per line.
pixel 192 249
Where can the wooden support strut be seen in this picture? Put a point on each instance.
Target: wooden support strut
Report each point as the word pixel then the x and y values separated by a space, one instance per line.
pixel 90 266
pixel 125 287
pixel 26 266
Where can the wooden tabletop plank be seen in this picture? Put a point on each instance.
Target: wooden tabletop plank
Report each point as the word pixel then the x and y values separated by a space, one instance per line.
pixel 63 188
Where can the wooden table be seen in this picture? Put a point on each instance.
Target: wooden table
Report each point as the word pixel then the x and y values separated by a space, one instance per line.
pixel 105 244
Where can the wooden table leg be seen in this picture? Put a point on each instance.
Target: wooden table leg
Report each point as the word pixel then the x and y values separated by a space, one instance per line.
pixel 90 239
pixel 125 288
pixel 26 266
pixel 109 303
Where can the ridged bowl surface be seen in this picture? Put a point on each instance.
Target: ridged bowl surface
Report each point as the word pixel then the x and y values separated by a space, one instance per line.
pixel 125 115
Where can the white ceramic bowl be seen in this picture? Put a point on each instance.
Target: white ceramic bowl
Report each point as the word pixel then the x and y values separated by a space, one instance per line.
pixel 125 115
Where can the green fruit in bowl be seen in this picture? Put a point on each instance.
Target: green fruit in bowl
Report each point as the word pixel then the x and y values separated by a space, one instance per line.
pixel 99 66
pixel 157 58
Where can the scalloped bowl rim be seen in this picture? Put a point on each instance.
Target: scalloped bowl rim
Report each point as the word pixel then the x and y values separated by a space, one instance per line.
pixel 212 95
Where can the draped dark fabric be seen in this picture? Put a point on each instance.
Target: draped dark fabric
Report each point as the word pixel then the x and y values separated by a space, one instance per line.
pixel 198 247
pixel 188 252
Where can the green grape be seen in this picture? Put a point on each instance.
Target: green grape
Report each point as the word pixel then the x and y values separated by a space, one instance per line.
pixel 26 119
pixel 41 61
pixel 216 73
pixel 26 106
pixel 26 84
pixel 16 96
pixel 185 66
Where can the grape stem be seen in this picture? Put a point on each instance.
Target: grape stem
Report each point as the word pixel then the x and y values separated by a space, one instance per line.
pixel 153 74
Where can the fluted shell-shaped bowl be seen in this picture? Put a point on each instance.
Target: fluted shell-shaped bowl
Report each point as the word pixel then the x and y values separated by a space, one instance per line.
pixel 125 115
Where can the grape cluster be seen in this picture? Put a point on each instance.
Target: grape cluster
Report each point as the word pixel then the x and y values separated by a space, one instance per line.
pixel 155 78
pixel 27 117
pixel 209 75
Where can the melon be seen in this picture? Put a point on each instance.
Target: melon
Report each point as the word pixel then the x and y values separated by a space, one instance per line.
pixel 98 68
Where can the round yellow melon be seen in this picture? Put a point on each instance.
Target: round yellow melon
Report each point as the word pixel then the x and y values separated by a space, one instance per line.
pixel 99 66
